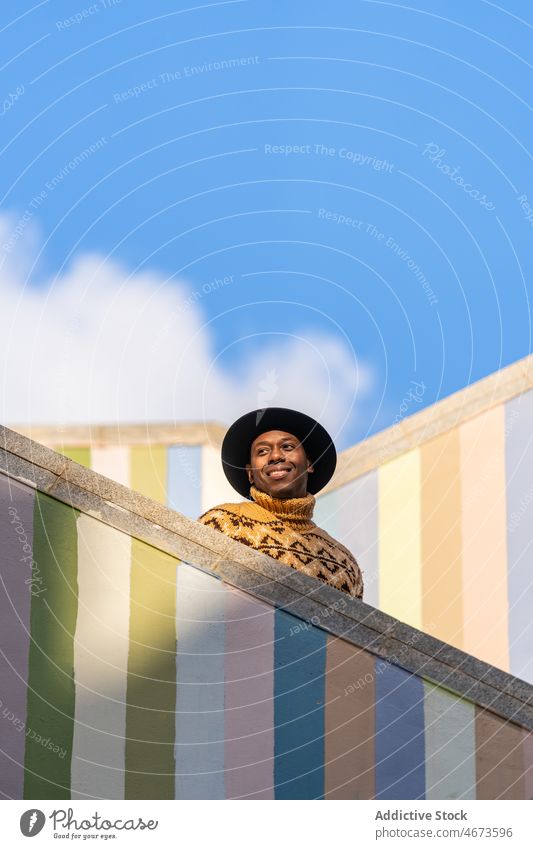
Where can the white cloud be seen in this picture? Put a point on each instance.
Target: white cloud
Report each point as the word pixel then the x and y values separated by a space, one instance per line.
pixel 97 344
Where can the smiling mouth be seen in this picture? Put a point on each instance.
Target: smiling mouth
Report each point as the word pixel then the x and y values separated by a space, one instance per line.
pixel 277 474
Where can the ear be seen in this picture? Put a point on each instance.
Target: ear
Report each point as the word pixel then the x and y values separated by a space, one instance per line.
pixel 310 467
pixel 249 472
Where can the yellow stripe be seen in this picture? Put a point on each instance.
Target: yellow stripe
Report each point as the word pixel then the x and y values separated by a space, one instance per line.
pixel 400 562
pixel 148 471
pixel 151 687
pixel 81 454
pixel 441 538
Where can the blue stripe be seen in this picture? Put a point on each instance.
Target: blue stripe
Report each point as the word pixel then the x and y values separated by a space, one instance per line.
pixel 299 691
pixel 184 492
pixel 327 512
pixel 400 750
pixel 519 477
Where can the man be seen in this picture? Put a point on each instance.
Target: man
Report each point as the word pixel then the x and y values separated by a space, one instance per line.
pixel 279 458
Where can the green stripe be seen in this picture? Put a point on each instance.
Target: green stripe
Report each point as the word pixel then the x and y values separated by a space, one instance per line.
pixel 50 715
pixel 80 455
pixel 151 687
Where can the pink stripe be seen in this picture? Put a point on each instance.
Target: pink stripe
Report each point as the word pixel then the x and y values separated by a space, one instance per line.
pixel 484 555
pixel 249 691
pixel 528 764
pixel 16 552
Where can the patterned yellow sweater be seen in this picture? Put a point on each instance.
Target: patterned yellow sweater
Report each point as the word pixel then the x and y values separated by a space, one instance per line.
pixel 283 529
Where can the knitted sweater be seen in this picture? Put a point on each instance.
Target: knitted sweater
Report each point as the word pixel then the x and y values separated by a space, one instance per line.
pixel 283 529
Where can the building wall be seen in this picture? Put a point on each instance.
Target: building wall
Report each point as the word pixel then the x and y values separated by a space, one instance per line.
pixel 130 674
pixel 442 527
pixel 444 534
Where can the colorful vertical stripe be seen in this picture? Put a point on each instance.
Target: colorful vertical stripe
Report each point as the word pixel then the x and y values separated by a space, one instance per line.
pixel 450 742
pixel 112 461
pixel 299 693
pixel 151 685
pixel 148 471
pixel 18 584
pixel 349 755
pixel 400 592
pixel 215 487
pixel 519 492
pixel 184 492
pixel 359 531
pixel 50 706
pixel 527 747
pixel 200 685
pixel 442 609
pixel 79 454
pixel 400 752
pixel 485 625
pixel 499 758
pixel 248 701
pixel 101 661
pixel 327 512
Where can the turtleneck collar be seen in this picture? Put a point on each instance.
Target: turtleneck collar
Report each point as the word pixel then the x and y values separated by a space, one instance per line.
pixel 286 509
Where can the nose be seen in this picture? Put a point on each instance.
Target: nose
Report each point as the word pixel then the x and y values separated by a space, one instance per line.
pixel 276 455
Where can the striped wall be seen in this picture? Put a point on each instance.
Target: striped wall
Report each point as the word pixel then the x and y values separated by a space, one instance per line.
pixel 443 530
pixel 187 478
pixel 444 534
pixel 128 674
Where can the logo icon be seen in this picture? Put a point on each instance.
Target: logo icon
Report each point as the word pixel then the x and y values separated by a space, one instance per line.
pixel 32 822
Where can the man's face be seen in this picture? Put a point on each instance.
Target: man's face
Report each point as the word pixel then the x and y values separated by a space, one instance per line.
pixel 278 465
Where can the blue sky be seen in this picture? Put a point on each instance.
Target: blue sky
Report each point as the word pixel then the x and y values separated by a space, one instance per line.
pixel 318 205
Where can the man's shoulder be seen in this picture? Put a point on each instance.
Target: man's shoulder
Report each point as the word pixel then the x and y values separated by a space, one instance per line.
pixel 227 509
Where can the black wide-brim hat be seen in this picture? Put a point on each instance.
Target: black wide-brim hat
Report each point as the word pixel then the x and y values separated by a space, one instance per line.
pixel 315 439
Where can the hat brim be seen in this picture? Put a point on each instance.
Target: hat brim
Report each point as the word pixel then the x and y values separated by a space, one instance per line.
pixel 315 439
